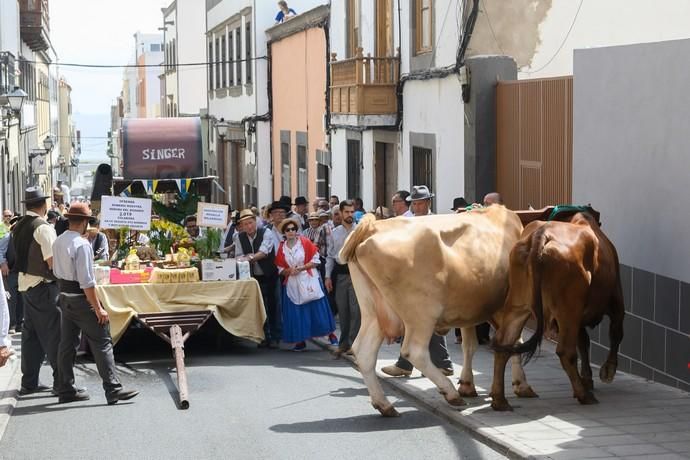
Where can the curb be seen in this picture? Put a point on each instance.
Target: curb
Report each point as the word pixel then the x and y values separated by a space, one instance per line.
pixel 449 414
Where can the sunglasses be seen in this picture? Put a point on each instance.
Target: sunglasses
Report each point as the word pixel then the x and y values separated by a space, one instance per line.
pixel 290 229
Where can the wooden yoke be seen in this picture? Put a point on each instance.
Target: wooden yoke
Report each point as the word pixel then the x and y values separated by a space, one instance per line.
pixel 175 328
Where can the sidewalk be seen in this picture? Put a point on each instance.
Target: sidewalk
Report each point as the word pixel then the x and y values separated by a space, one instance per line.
pixel 10 380
pixel 635 418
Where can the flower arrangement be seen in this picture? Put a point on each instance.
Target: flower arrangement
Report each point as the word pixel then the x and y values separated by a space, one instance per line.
pixel 164 234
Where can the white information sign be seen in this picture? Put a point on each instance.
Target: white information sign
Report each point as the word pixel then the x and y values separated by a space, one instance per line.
pixel 120 211
pixel 212 215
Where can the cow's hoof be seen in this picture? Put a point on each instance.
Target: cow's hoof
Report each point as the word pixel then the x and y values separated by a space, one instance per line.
pixel 389 412
pixel 467 389
pixel 607 372
pixel 456 402
pixel 501 405
pixel 526 392
pixel 587 399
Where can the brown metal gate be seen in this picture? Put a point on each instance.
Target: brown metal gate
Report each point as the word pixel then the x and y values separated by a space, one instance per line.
pixel 534 150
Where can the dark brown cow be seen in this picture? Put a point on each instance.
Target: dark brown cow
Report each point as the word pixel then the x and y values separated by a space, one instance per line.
pixel 567 275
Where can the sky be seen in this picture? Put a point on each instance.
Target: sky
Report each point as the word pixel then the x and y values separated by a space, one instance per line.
pixel 98 32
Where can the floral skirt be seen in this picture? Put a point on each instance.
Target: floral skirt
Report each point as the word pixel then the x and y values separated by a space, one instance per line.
pixel 302 322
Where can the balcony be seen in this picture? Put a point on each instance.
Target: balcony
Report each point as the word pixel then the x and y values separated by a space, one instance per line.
pixel 34 23
pixel 364 85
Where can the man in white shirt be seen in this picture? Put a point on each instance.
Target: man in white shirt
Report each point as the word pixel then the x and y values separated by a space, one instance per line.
pixel 256 246
pixel 400 205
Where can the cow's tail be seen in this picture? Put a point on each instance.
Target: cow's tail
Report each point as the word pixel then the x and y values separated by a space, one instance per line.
pixel 365 228
pixel 534 266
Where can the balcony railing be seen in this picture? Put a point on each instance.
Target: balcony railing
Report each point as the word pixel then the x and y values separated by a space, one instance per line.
pixel 34 21
pixel 364 85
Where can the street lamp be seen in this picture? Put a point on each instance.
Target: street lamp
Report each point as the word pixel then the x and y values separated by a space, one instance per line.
pixel 48 143
pixel 16 99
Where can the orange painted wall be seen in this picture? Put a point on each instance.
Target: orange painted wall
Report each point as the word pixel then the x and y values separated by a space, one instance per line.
pixel 299 101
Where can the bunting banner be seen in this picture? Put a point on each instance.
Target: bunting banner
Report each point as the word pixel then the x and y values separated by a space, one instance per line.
pixel 182 186
pixel 127 191
pixel 149 187
pixel 155 185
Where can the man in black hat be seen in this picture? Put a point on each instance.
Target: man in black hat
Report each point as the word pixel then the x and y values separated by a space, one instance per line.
pixel 286 202
pixel 33 239
pixel 459 204
pixel 82 311
pixel 301 211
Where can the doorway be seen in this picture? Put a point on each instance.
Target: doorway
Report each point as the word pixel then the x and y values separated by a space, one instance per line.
pixel 385 173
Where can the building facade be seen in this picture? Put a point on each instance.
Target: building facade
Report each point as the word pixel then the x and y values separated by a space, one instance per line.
pixel 184 30
pixel 238 97
pixel 298 48
pixel 148 56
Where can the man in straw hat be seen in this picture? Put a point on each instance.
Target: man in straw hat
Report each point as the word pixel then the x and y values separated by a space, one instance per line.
pixel 256 245
pixel 33 239
pixel 82 311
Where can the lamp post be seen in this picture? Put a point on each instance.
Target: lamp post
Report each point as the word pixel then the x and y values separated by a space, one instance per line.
pixel 222 129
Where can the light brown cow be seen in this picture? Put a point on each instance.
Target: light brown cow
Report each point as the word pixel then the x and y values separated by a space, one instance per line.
pixel 566 274
pixel 416 276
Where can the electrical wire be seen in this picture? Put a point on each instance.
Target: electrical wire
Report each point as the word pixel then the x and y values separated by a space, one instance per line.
pixel 491 28
pixel 562 43
pixel 133 66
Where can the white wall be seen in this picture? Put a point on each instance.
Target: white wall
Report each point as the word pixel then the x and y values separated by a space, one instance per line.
pixel 630 150
pixel 532 31
pixel 191 47
pixel 435 107
pixel 445 33
pixel 339 163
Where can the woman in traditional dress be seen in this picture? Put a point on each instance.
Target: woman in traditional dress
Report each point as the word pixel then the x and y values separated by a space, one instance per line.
pixel 306 311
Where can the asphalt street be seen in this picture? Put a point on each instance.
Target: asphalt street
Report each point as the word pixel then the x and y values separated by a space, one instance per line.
pixel 244 403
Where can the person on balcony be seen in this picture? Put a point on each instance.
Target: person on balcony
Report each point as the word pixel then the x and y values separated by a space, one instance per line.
pixel 285 12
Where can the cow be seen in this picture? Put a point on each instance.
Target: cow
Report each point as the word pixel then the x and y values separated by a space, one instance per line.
pixel 414 277
pixel 566 275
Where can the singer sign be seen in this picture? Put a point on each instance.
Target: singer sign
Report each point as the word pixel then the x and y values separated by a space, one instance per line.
pixel 161 148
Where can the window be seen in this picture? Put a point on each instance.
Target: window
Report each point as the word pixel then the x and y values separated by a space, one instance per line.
pixel 231 64
pixel 224 65
pixel 352 27
pixel 27 79
pixel 285 160
pixel 422 167
pixel 238 54
pixel 7 77
pixel 248 51
pixel 155 47
pixel 354 169
pixel 423 26
pixel 302 174
pixel 210 65
pixel 218 64
pixel 322 181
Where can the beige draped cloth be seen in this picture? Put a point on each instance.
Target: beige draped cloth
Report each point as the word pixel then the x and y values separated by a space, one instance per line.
pixel 237 305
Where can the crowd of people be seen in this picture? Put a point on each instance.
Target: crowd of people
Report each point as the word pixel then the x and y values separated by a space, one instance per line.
pixel 48 289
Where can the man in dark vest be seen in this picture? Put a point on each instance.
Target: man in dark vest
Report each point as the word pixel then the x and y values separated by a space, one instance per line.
pixel 256 246
pixel 33 239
